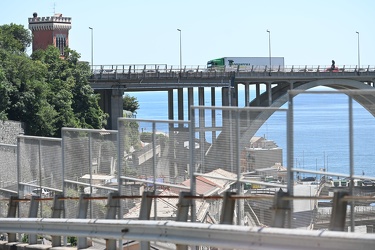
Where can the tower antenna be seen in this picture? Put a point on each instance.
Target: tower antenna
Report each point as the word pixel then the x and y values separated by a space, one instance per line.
pixel 54 8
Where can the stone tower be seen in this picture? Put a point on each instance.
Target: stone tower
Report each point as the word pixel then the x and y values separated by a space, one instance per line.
pixel 52 30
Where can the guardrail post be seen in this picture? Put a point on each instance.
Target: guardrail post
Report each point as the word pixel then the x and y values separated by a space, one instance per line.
pixel 58 206
pixel 33 213
pixel 280 209
pixel 144 214
pixel 227 212
pixel 12 211
pixel 183 206
pixel 112 206
pixel 146 203
pixel 82 214
pixel 338 215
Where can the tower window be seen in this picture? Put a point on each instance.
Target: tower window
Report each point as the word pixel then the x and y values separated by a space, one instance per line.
pixel 61 43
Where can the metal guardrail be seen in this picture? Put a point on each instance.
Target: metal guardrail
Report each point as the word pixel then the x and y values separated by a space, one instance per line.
pixel 224 236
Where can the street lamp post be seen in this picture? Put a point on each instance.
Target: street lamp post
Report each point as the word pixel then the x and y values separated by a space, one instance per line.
pixel 179 30
pixel 269 48
pixel 359 62
pixel 92 49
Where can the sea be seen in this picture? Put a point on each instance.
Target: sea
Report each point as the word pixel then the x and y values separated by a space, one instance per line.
pixel 321 128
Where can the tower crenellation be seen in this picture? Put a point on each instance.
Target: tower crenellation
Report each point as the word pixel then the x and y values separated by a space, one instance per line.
pixel 50 30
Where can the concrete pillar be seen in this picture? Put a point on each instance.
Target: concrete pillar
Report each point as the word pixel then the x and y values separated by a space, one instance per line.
pixel 190 100
pixel 247 95
pixel 116 107
pixel 180 100
pixel 257 93
pixel 269 92
pixel 170 105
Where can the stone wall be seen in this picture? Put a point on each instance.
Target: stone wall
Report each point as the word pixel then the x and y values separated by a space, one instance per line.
pixel 9 130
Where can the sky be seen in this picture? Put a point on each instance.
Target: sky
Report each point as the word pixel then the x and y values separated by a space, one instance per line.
pixel 145 31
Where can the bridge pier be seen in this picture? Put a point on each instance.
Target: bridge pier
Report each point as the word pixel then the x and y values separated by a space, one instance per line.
pixel 111 102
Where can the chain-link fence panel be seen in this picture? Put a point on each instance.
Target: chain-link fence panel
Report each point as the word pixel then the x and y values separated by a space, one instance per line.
pixel 155 157
pixel 8 177
pixel 333 153
pixel 90 167
pixel 40 171
pixel 240 150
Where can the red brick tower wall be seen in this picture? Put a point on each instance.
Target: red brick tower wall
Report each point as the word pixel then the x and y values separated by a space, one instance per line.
pixel 42 38
pixel 50 31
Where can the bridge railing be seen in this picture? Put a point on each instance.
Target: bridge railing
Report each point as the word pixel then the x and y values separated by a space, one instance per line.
pixel 164 68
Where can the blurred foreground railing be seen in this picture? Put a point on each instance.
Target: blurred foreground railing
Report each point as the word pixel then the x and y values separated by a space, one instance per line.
pixel 225 236
pixel 181 231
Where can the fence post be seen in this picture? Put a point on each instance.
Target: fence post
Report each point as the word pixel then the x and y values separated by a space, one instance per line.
pixel 280 208
pixel 228 208
pixel 58 206
pixel 82 214
pixel 112 206
pixel 33 213
pixel 146 203
pixel 183 212
pixel 338 214
pixel 144 214
pixel 12 211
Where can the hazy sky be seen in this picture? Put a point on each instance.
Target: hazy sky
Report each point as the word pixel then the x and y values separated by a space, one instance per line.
pixel 145 31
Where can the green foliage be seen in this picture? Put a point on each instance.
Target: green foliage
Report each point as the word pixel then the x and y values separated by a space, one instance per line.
pixel 72 240
pixel 14 38
pixel 45 91
pixel 25 238
pixel 130 103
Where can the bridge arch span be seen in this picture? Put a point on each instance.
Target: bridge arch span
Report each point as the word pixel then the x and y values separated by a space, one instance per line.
pixel 280 97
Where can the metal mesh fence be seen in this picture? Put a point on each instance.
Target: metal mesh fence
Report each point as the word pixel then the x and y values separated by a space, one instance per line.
pixel 333 146
pixel 8 176
pixel 325 138
pixel 39 171
pixel 89 167
pixel 240 150
pixel 155 158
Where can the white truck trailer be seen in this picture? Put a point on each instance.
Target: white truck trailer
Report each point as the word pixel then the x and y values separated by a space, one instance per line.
pixel 246 63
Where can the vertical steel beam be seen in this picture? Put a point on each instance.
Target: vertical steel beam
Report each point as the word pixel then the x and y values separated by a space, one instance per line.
pixel 280 209
pixel 146 203
pixel 82 214
pixel 33 213
pixel 183 206
pixel 338 215
pixel 183 212
pixel 227 211
pixel 57 209
pixel 12 211
pixel 144 213
pixel 112 206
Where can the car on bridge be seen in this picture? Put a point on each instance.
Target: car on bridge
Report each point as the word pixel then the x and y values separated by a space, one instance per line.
pixel 368 183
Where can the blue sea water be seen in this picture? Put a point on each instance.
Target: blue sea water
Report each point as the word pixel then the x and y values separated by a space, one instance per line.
pixel 321 136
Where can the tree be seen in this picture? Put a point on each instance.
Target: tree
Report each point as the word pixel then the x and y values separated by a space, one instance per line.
pixel 130 103
pixel 14 38
pixel 45 91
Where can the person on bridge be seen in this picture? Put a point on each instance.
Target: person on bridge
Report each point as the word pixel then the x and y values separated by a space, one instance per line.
pixel 333 65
